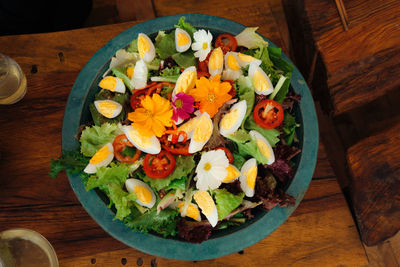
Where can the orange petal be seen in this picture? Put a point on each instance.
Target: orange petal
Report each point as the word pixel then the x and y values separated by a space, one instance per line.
pixel 148 104
pixel 139 115
pixel 143 130
pixel 158 128
pixel 165 118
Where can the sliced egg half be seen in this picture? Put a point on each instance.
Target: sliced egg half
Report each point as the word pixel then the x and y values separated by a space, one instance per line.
pixel 108 108
pixel 191 211
pixel 232 69
pixel 216 62
pixel 147 52
pixel 101 158
pixel 129 71
pixel 263 146
pixel 186 81
pixel 245 60
pixel 248 177
pixel 113 84
pixel 260 80
pixel 188 127
pixel 207 206
pixel 233 174
pixel 145 195
pixel 232 120
pixel 201 133
pixel 139 75
pixel 182 40
pixel 150 145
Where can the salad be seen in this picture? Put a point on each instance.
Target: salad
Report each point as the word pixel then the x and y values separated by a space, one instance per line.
pixel 191 132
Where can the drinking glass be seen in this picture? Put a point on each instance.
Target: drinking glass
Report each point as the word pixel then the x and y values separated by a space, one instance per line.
pixel 12 81
pixel 21 247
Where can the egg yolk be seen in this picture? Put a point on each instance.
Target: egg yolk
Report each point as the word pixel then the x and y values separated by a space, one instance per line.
pixel 264 149
pixel 251 176
pixel 229 119
pixel 232 63
pixel 216 59
pixel 182 39
pixel 188 126
pixel 100 155
pixel 260 82
pixel 205 202
pixel 129 72
pixel 186 82
pixel 203 130
pixel 232 174
pixel 143 46
pixel 245 57
pixel 143 194
pixel 107 108
pixel 191 211
pixel 140 140
pixel 108 83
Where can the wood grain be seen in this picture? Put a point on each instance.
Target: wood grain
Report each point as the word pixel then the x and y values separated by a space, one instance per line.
pixel 374 164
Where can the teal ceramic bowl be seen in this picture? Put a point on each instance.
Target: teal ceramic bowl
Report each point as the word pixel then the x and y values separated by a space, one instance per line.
pixel 223 242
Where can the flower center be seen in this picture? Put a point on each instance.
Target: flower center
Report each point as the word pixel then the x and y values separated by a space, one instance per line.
pixel 211 97
pixel 205 45
pixel 149 113
pixel 207 166
pixel 178 103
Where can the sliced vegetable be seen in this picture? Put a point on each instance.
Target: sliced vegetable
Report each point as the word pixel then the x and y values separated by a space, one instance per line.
pixel 227 42
pixel 120 143
pixel 268 114
pixel 160 165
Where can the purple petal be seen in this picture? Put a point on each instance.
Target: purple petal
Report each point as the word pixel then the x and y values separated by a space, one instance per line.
pixel 174 115
pixel 188 107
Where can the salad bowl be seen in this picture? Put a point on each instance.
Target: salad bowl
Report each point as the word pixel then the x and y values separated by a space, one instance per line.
pixel 222 242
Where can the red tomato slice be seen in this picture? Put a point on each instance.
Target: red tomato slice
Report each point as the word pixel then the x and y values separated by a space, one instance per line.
pixel 119 144
pixel 160 165
pixel 227 42
pixel 227 152
pixel 176 149
pixel 268 114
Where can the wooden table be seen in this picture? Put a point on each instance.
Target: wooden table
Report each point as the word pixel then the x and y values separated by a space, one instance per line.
pixel 321 231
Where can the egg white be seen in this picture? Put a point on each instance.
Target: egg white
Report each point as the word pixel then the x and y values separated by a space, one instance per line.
pixel 212 217
pixel 92 168
pixel 241 108
pixel 185 47
pixel 252 71
pixel 183 210
pixel 119 86
pixel 138 140
pixel 216 57
pixel 149 55
pixel 265 145
pixel 248 191
pixel 130 185
pixel 139 78
pixel 203 121
pixel 115 112
pixel 231 72
pixel 186 81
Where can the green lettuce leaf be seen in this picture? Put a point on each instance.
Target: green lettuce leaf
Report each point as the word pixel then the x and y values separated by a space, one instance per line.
pixel 183 167
pixel 185 60
pixel 182 24
pixel 289 128
pixel 250 39
pixel 133 47
pixel 166 46
pixel 120 73
pixel 240 136
pixel 177 184
pixel 122 200
pixel 95 137
pixel 226 202
pixel 71 161
pixel 168 75
pixel 250 149
pixel 245 91
pixel 238 160
pixel 116 173
pixel 272 135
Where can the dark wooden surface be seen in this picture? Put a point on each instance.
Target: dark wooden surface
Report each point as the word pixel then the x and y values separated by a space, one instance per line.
pixel 356 66
pixel 320 232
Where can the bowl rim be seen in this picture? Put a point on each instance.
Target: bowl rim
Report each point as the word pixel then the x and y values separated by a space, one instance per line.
pixel 170 248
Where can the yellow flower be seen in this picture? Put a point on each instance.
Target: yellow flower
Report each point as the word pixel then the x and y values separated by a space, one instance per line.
pixel 211 94
pixel 153 117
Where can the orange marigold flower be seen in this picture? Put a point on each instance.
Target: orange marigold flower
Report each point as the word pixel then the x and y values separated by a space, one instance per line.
pixel 153 117
pixel 211 94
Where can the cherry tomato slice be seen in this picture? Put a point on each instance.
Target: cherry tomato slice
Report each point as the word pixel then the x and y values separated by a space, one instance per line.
pixel 227 153
pixel 176 149
pixel 227 42
pixel 232 92
pixel 119 144
pixel 203 65
pixel 159 166
pixel 268 114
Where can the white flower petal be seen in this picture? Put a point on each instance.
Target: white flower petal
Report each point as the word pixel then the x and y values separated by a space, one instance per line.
pixel 196 46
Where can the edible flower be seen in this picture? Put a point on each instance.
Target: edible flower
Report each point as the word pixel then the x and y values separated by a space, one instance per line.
pixel 154 115
pixel 202 44
pixel 182 105
pixel 211 170
pixel 211 94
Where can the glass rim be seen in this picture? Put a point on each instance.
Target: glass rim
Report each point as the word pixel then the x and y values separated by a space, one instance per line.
pixel 7 61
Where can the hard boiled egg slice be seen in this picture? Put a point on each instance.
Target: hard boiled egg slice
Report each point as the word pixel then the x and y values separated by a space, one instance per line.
pixel 233 174
pixel 103 157
pixel 245 60
pixel 232 120
pixel 263 146
pixel 216 62
pixel 108 108
pixel 145 195
pixel 147 52
pixel 186 81
pixel 113 84
pixel 248 177
pixel 232 68
pixel 191 211
pixel 260 80
pixel 150 145
pixel 182 40
pixel 201 133
pixel 139 77
pixel 207 206
pixel 188 127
